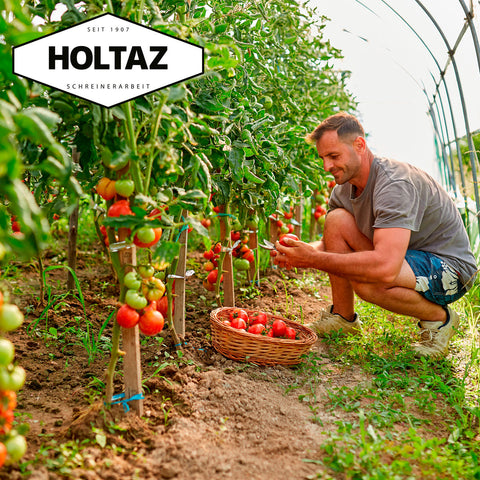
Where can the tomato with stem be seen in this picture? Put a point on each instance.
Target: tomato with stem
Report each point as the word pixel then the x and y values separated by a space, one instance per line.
pixel 153 289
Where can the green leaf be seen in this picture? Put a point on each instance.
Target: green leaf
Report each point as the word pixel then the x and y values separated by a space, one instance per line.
pixel 166 251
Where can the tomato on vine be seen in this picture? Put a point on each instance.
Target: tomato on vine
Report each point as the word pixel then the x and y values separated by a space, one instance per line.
pixel 146 271
pixel 153 289
pixel 147 237
pixel 151 322
pixel 135 300
pixel 127 317
pixel 132 281
pixel 106 188
pixel 124 187
pixel 120 208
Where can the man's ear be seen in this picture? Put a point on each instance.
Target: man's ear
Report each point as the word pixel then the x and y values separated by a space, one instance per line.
pixel 360 144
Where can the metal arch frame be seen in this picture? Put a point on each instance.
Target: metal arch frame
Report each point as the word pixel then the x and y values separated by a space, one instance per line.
pixel 473 156
pixel 451 53
pixel 430 110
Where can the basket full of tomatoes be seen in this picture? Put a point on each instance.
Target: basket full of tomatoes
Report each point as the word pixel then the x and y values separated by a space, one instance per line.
pixel 259 337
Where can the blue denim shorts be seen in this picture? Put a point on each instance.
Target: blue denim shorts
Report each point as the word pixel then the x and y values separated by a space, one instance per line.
pixel 436 280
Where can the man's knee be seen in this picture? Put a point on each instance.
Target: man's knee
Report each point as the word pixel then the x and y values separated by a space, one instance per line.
pixel 367 291
pixel 341 233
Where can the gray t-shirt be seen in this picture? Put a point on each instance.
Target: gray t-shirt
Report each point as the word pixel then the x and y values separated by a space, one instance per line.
pixel 398 195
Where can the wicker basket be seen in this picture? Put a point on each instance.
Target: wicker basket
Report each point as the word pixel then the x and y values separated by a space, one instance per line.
pixel 259 349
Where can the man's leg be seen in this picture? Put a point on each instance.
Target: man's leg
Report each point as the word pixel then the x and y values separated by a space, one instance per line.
pixel 341 235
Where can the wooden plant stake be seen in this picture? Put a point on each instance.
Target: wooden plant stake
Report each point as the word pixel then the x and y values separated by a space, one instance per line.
pixel 254 271
pixel 73 234
pixel 297 215
pixel 132 369
pixel 227 264
pixel 179 310
pixel 313 221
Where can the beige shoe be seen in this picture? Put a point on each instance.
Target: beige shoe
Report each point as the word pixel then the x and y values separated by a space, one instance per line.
pixel 434 341
pixel 333 322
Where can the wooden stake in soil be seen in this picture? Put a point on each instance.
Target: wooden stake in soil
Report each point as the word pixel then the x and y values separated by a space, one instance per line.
pixel 227 266
pixel 298 218
pixel 132 369
pixel 254 271
pixel 179 310
pixel 73 234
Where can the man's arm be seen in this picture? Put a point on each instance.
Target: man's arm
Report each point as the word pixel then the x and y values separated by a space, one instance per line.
pixel 380 265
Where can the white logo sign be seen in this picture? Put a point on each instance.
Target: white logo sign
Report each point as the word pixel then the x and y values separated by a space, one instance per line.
pixel 108 60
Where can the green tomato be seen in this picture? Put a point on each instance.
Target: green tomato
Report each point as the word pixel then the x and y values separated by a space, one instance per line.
pixel 146 271
pixel 7 352
pixel 10 317
pixel 124 187
pixel 237 226
pixel 12 380
pixel 16 446
pixel 252 223
pixel 146 234
pixel 132 281
pixel 241 264
pixel 135 300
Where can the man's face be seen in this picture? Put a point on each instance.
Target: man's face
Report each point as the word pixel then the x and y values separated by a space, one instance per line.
pixel 340 159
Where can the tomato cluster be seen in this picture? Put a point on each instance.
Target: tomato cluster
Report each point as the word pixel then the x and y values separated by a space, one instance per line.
pixel 243 255
pixel 211 266
pixel 145 301
pixel 258 323
pixel 283 227
pixel 144 237
pixel 12 378
pixel 319 212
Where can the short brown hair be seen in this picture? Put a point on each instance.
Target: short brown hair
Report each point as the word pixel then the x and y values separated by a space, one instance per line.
pixel 343 123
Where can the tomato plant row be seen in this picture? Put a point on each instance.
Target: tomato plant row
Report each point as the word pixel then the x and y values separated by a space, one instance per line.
pixel 228 143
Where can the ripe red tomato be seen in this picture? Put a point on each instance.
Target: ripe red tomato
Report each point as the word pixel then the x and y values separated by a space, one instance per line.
pixel 239 313
pixel 238 323
pixel 208 255
pixel 259 318
pixel 290 333
pixel 279 328
pixel 3 454
pixel 212 277
pixel 217 248
pixel 257 328
pixel 151 322
pixel 206 222
pixel 216 209
pixel 162 306
pixel 122 207
pixel 331 184
pixel 127 317
pixel 288 235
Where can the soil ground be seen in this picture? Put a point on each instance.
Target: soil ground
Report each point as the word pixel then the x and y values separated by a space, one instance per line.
pixel 206 417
